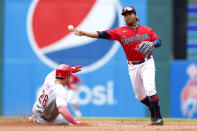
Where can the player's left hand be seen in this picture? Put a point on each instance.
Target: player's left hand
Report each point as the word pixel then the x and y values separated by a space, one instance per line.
pixel 76 68
pixel 145 47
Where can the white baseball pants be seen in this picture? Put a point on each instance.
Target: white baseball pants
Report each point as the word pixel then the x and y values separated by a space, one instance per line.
pixel 58 120
pixel 143 78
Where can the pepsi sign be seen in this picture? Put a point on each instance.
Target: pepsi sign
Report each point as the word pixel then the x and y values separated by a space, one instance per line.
pixel 38 40
pixel 47 23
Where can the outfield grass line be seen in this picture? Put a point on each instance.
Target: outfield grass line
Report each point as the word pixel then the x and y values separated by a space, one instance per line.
pixel 181 119
pixel 120 118
pixel 113 118
pixel 9 117
pixel 137 119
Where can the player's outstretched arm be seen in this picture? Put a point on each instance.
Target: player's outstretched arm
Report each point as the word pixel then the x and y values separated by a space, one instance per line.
pixel 83 33
pixel 96 34
pixel 63 110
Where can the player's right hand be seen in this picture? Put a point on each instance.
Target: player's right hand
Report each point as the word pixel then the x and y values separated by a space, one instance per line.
pixel 80 123
pixel 78 32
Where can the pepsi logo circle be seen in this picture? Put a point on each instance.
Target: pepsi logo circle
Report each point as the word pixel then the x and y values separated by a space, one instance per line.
pixel 47 22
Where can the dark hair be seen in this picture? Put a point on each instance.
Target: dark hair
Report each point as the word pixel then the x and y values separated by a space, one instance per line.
pixel 138 19
pixel 60 78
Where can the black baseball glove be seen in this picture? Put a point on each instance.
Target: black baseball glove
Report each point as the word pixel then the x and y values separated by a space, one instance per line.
pixel 145 47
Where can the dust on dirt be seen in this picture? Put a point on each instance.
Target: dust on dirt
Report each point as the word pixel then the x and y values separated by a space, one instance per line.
pixel 21 124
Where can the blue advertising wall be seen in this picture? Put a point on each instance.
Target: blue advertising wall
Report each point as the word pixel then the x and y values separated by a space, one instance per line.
pixel 29 55
pixel 183 89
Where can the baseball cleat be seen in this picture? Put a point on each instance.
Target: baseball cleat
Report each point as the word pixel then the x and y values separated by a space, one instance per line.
pixel 158 121
pixel 152 118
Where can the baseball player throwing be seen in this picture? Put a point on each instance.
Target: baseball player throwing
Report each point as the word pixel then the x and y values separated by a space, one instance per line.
pixel 137 42
pixel 51 104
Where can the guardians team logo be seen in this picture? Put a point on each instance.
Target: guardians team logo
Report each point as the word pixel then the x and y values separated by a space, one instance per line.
pixel 136 38
pixel 47 23
pixel 189 93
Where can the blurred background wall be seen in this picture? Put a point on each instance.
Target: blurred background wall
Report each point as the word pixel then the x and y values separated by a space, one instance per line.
pixel 183 85
pixel 1 54
pixel 160 19
pixel 34 39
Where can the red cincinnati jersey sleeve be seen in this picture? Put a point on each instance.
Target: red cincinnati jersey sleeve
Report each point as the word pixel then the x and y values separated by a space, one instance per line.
pixel 130 40
pixel 73 80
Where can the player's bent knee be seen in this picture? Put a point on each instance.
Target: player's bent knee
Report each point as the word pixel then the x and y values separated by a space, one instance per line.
pixel 140 97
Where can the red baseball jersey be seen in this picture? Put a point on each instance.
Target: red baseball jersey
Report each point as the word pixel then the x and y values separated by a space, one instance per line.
pixel 73 80
pixel 131 39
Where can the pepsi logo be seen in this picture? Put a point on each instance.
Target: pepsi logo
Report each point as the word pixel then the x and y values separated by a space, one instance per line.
pixel 47 22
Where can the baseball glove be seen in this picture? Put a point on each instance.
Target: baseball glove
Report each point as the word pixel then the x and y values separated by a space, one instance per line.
pixel 76 68
pixel 145 47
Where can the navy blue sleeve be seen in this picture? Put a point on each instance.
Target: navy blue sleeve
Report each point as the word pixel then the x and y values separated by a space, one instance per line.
pixel 103 34
pixel 157 43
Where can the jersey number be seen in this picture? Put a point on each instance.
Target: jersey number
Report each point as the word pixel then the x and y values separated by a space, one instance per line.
pixel 43 99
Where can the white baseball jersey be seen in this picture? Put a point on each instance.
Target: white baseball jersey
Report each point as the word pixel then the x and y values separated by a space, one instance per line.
pixel 50 77
pixel 51 96
pixel 72 97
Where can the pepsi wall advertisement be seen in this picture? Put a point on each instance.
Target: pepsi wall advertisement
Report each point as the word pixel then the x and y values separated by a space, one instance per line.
pixel 183 89
pixel 36 40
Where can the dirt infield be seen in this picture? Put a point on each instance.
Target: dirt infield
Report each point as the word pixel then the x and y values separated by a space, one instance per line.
pixel 20 124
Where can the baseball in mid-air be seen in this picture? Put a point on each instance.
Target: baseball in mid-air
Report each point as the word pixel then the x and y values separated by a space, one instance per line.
pixel 70 27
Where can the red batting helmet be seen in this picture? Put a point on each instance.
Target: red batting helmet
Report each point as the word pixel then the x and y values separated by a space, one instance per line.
pixel 128 9
pixel 63 71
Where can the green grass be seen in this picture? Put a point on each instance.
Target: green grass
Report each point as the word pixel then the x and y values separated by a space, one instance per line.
pixel 138 119
pixel 121 118
pixel 2 117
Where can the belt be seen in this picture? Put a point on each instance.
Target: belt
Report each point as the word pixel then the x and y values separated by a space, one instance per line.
pixel 138 62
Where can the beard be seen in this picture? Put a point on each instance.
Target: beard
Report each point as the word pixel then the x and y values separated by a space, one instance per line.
pixel 130 22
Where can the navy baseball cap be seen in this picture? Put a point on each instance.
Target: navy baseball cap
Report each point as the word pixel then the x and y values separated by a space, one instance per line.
pixel 128 9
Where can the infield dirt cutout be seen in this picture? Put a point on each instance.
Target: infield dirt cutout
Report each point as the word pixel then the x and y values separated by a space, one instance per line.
pixel 21 124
